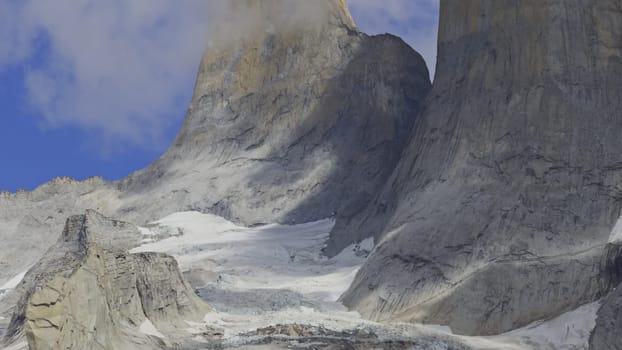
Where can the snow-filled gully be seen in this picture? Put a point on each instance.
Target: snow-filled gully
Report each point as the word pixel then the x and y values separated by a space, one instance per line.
pixel 275 274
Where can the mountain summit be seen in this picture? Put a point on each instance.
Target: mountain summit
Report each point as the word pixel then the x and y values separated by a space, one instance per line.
pixel 294 122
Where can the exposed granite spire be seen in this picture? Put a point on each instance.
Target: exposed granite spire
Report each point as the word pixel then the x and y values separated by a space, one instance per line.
pixel 294 122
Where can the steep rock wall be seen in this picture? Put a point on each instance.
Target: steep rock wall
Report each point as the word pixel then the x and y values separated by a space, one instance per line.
pixel 291 124
pixel 501 209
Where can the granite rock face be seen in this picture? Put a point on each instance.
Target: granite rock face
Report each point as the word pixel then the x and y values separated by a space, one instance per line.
pixel 302 119
pixel 291 124
pixel 88 292
pixel 501 210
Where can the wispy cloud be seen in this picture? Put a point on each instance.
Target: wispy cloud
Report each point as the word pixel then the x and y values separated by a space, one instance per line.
pixel 119 68
pixel 15 32
pixel 115 67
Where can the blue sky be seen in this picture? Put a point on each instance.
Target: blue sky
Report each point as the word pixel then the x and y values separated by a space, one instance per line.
pixel 100 88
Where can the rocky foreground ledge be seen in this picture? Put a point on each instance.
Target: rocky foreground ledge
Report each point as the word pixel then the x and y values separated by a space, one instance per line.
pixel 88 292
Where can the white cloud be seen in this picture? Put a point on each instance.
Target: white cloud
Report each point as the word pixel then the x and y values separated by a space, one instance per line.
pixel 416 21
pixel 117 68
pixel 15 33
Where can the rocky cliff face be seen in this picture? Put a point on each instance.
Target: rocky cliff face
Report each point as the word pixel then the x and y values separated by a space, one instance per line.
pixel 300 120
pixel 294 119
pixel 87 292
pixel 501 210
pixel 293 123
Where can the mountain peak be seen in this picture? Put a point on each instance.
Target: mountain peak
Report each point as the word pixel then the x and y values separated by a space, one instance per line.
pixel 286 119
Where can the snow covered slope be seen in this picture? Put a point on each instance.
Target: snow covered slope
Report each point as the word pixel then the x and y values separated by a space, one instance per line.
pixel 277 275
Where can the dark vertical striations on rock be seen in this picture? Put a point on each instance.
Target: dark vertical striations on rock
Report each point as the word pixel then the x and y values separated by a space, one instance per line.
pixel 501 208
pixel 291 123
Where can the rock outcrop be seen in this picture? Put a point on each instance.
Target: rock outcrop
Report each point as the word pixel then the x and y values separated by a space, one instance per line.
pixel 31 221
pixel 501 209
pixel 88 292
pixel 493 208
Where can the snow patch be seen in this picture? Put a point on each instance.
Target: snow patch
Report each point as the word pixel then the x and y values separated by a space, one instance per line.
pixel 616 233
pixel 261 276
pixel 277 274
pixel 18 346
pixel 565 332
pixel 279 257
pixel 13 282
pixel 145 231
pixel 148 235
pixel 148 328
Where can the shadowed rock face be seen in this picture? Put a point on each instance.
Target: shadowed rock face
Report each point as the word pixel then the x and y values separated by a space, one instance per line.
pixel 501 209
pixel 87 292
pixel 291 124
